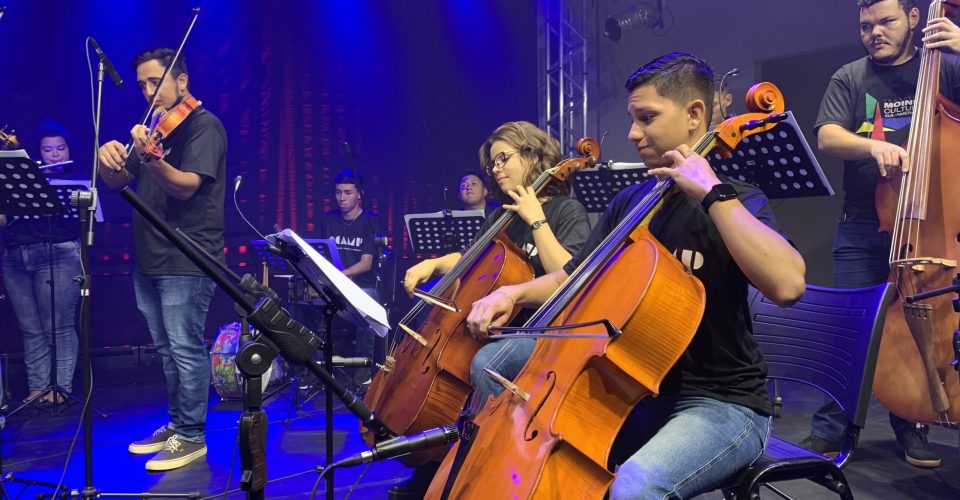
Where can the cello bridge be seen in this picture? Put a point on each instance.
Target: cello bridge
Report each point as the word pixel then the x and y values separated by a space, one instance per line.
pixel 919 264
pixel 510 386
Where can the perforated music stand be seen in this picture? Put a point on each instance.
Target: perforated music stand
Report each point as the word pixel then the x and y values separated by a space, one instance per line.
pixel 595 187
pixel 779 162
pixel 24 191
pixel 428 232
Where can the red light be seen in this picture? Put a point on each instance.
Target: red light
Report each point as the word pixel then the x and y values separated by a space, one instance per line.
pixel 242 248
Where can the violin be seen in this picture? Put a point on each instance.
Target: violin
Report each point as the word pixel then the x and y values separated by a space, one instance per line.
pixel 551 433
pixel 8 140
pixel 163 123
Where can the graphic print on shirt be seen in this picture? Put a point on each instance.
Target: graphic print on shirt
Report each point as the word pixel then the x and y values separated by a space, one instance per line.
pixel 887 116
pixel 691 259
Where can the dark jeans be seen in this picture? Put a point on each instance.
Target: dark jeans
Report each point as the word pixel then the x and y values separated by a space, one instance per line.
pixel 860 259
pixel 175 308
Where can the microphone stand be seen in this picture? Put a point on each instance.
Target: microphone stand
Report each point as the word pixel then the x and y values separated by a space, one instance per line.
pixel 448 239
pixel 263 310
pixel 86 203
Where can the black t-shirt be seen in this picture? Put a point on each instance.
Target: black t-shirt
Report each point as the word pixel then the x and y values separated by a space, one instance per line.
pixel 723 361
pixel 198 145
pixel 29 230
pixel 567 219
pixel 354 239
pixel 876 102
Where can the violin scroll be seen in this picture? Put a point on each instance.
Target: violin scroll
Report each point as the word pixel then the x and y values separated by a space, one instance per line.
pixel 8 140
pixel 589 149
pixel 765 97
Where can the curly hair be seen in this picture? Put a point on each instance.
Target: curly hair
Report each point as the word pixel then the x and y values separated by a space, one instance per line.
pixel 538 150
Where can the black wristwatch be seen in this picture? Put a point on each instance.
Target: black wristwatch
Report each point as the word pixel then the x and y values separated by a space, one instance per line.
pixel 720 192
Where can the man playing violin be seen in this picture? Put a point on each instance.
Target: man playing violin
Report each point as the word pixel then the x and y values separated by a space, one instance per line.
pixel 712 417
pixel 884 82
pixel 186 187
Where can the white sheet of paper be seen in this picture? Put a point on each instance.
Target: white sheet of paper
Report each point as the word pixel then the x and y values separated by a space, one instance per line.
pixel 318 268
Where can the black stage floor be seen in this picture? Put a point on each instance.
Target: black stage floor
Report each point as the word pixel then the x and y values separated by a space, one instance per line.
pixel 130 390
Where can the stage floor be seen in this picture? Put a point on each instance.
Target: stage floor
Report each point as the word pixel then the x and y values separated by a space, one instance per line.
pixel 36 446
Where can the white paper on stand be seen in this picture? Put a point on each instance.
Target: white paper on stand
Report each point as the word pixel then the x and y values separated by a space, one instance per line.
pixel 319 270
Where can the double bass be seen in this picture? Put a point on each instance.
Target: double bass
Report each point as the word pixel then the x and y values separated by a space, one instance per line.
pixel 921 211
pixel 550 434
pixel 426 379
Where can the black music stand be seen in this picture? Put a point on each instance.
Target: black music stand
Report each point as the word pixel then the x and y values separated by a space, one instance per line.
pixel 25 192
pixel 595 187
pixel 779 162
pixel 443 232
pixel 340 296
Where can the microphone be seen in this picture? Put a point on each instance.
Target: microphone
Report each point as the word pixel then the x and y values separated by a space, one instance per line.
pixel 236 183
pixel 107 65
pixel 339 362
pixel 404 445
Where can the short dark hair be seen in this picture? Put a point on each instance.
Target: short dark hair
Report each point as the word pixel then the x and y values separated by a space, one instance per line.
pixel 678 76
pixel 906 5
pixel 164 56
pixel 348 176
pixel 53 129
pixel 474 172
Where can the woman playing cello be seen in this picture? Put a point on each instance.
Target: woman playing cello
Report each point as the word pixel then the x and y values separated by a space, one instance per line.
pixel 712 416
pixel 552 227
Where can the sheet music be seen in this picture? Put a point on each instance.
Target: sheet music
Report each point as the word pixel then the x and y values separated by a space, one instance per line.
pixel 320 271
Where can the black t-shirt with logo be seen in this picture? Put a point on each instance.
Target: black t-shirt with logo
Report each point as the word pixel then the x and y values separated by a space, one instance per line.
pixel 198 145
pixel 876 102
pixel 355 238
pixel 567 219
pixel 723 361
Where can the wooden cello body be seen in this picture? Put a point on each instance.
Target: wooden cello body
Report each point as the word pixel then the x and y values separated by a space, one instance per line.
pixel 921 209
pixel 550 435
pixel 427 382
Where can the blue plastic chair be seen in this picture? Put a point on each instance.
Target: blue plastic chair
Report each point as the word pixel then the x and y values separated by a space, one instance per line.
pixel 829 340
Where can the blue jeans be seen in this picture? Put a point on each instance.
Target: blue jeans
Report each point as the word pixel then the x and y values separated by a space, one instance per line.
pixel 175 308
pixel 26 275
pixel 860 259
pixel 506 357
pixel 680 447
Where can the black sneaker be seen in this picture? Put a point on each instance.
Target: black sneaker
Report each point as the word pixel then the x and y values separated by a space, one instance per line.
pixel 415 487
pixel 916 449
pixel 176 453
pixel 152 444
pixel 822 446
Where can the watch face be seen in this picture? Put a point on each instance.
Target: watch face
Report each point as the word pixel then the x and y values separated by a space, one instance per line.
pixel 726 191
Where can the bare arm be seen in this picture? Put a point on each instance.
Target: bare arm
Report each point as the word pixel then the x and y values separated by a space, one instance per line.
pixel 364 265
pixel 176 183
pixel 840 143
pixel 494 309
pixel 526 205
pixel 423 271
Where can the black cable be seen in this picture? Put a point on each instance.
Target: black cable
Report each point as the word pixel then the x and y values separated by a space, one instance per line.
pixel 316 485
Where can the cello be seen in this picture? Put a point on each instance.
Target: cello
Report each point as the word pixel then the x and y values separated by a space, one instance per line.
pixel 550 434
pixel 919 209
pixel 426 379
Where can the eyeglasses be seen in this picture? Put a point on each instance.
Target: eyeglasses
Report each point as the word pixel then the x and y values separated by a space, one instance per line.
pixel 499 161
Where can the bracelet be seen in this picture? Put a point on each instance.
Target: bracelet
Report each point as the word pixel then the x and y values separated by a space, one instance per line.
pixel 536 224
pixel 505 294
